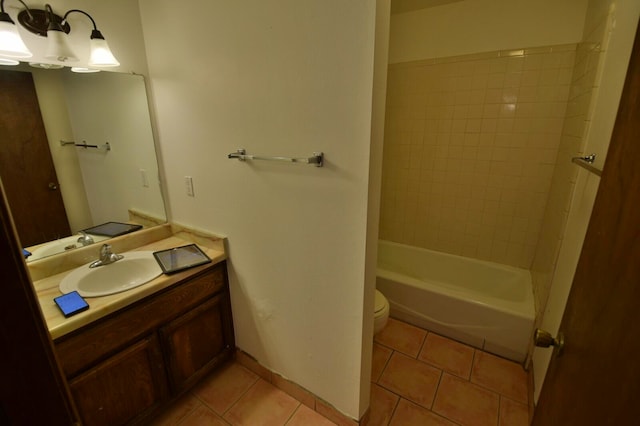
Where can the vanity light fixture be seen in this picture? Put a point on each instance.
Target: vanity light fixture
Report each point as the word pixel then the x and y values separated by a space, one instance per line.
pixel 57 33
pixel 9 62
pixel 84 70
pixel 47 24
pixel 45 66
pixel 100 55
pixel 11 44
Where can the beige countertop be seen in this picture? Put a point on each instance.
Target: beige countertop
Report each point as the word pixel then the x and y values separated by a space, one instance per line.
pixel 46 285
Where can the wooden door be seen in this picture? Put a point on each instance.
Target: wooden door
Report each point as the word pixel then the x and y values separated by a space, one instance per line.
pixel 33 390
pixel 26 167
pixel 597 379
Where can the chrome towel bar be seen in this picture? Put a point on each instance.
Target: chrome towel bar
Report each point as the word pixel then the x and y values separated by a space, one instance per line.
pixel 317 159
pixel 85 145
pixel 586 163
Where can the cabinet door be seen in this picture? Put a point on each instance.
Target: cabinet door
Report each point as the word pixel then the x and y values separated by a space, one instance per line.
pixel 198 341
pixel 124 388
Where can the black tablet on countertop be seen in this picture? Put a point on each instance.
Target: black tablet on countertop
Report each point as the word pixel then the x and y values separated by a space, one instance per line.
pixel 112 229
pixel 180 258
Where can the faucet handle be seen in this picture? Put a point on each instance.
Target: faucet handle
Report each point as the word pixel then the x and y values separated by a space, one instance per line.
pixel 85 239
pixel 105 250
pixel 106 257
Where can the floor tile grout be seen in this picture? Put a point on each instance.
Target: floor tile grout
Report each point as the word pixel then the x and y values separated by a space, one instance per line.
pixel 242 395
pixel 395 407
pixel 182 419
pixel 424 343
pixel 435 394
pixel 473 360
pixel 293 413
pixel 221 416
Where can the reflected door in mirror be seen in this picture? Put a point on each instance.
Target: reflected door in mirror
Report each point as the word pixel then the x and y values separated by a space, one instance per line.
pixel 26 168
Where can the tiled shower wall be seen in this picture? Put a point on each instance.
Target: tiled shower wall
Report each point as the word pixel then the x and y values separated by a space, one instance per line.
pixel 590 55
pixel 470 148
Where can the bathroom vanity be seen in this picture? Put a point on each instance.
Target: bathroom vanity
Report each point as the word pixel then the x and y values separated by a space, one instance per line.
pixel 132 353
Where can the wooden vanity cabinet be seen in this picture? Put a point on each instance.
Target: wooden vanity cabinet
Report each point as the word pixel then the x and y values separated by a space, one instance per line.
pixel 125 367
pixel 124 387
pixel 195 342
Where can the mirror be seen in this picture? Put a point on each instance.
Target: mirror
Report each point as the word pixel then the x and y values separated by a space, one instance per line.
pixel 96 130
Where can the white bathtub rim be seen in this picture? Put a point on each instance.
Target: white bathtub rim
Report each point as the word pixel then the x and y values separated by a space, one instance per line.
pixel 523 309
pixel 454 256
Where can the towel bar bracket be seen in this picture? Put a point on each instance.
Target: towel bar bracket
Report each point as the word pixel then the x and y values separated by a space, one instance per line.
pixel 586 163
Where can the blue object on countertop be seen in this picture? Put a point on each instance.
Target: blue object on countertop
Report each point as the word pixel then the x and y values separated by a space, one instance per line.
pixel 26 253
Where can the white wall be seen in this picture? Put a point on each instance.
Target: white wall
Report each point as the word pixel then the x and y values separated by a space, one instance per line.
pixel 277 78
pixel 473 26
pixel 598 134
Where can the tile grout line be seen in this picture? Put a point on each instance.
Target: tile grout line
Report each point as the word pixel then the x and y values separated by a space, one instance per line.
pixel 488 389
pixel 293 413
pixel 497 393
pixel 396 350
pixel 181 419
pixel 435 394
pixel 243 393
pixel 400 396
pixel 473 360
pixel 430 364
pixel 385 367
pixel 440 414
pixel 395 407
pixel 455 422
pixel 424 343
pixel 208 407
pixel 234 402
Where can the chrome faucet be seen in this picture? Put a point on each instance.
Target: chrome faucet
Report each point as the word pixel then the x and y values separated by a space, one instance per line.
pixel 85 239
pixel 106 257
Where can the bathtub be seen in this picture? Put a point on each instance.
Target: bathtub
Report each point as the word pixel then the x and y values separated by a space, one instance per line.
pixel 486 305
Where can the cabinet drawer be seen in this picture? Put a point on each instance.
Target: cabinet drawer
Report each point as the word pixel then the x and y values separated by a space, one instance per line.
pixel 81 350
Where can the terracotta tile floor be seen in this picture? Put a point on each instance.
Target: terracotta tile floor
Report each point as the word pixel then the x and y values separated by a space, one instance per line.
pixel 421 378
pixel 236 396
pixel 418 378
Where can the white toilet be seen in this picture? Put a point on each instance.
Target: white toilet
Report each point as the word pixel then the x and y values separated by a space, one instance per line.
pixel 381 314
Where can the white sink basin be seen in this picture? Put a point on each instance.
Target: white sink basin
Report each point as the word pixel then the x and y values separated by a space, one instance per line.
pixel 60 246
pixel 135 269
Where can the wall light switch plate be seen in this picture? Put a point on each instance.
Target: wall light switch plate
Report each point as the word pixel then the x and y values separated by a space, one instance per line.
pixel 144 177
pixel 188 183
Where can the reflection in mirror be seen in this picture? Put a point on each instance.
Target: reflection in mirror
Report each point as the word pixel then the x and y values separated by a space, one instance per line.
pixel 55 188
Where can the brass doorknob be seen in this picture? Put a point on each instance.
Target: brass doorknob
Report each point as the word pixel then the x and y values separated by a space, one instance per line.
pixel 544 339
pixel 53 186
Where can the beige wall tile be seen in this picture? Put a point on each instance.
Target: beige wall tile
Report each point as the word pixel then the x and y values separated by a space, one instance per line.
pixel 584 85
pixel 484 132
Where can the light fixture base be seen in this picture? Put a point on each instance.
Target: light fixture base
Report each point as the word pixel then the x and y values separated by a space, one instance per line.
pixel 36 21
